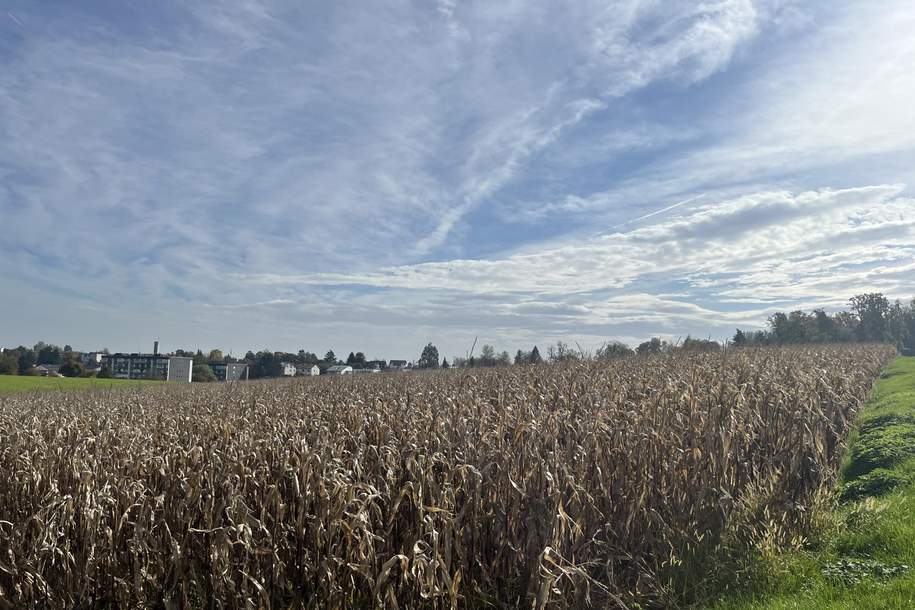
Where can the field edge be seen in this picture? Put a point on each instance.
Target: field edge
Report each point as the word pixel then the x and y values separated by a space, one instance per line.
pixel 863 556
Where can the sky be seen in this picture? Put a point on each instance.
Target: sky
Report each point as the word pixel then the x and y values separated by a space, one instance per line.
pixel 371 176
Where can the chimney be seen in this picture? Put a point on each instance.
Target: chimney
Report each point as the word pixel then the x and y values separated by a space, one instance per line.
pixel 156 347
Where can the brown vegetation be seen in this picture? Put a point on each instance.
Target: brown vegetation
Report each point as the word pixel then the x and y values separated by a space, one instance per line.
pixel 548 486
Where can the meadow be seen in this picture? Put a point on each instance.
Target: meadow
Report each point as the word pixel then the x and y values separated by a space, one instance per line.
pixel 25 383
pixel 631 483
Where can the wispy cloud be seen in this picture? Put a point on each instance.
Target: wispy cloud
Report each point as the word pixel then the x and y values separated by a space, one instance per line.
pixel 389 171
pixel 753 233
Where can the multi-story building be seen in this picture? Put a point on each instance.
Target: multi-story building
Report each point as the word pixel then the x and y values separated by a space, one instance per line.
pixel 230 371
pixel 92 360
pixel 149 366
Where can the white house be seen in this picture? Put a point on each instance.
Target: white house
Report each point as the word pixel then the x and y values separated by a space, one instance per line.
pixel 340 369
pixel 308 370
pixel 288 369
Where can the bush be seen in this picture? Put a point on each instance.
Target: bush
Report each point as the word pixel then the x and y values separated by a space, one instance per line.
pixel 203 373
pixel 8 365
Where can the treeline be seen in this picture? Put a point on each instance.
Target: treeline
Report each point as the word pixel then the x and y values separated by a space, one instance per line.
pixel 871 318
pixel 22 360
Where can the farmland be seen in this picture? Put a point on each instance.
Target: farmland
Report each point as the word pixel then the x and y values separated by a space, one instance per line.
pixel 581 485
pixel 23 383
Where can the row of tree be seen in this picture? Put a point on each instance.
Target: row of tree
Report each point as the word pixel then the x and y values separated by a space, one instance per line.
pixel 871 318
pixel 22 360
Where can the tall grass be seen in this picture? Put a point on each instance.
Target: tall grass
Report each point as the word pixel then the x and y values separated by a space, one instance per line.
pixel 588 485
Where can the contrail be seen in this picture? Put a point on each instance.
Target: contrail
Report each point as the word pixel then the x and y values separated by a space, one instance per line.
pixel 13 17
pixel 661 211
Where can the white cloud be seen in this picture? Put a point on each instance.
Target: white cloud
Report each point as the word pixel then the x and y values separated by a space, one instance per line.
pixel 738 236
pixel 394 169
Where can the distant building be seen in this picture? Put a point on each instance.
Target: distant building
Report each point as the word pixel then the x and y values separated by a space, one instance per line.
pixel 362 371
pixel 340 369
pixel 287 369
pixel 377 364
pixel 92 360
pixel 308 370
pixel 398 365
pixel 48 370
pixel 149 366
pixel 230 371
pixel 180 369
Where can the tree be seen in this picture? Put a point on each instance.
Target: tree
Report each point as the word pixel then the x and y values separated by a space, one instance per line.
pixel 909 347
pixel 330 357
pixel 740 339
pixel 104 373
pixel 67 348
pixel 535 358
pixel 359 358
pixel 871 310
pixel 614 349
pixel 445 364
pixel 429 357
pixel 521 357
pixel 897 325
pixel 351 359
pixel 27 359
pixel 561 352
pixel 47 354
pixel 8 365
pixel 699 345
pixel 215 356
pixel 652 346
pixel 264 364
pixel 778 323
pixel 203 373
pixel 72 367
pixel 488 356
pixel 504 359
pixel 824 327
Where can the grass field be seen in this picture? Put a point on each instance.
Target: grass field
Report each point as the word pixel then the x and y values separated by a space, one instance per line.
pixel 865 555
pixel 24 383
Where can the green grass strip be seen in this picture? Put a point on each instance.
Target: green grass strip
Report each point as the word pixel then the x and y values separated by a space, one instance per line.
pixel 867 558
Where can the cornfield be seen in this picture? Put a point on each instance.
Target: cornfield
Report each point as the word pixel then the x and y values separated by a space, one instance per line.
pixel 584 485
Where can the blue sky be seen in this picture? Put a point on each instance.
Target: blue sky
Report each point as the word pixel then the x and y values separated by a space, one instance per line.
pixel 375 175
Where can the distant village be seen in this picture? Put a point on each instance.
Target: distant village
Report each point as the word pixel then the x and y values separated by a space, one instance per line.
pixel 48 360
pixel 872 318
